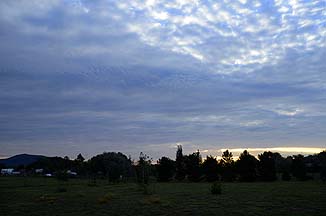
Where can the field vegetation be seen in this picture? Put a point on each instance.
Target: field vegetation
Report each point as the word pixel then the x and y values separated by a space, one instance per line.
pixel 44 196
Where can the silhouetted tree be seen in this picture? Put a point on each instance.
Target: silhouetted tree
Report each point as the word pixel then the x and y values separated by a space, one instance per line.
pixel 79 165
pixel 266 166
pixel 246 167
pixel 165 169
pixel 227 165
pixel 193 169
pixel 52 164
pixel 143 168
pixel 180 164
pixel 298 167
pixel 80 158
pixel 285 168
pixel 322 160
pixel 111 164
pixel 278 159
pixel 312 163
pixel 211 169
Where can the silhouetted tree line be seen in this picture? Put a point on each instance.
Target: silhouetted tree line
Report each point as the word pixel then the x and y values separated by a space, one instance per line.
pixel 115 167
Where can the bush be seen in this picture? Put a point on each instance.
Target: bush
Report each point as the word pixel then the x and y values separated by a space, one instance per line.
pixel 216 188
pixel 152 200
pixel 47 198
pixel 105 199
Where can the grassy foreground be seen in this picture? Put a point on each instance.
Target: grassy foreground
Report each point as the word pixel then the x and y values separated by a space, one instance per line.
pixel 41 196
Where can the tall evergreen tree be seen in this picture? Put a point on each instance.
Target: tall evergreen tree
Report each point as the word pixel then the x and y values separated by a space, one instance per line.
pixel 228 166
pixel 80 158
pixel 180 164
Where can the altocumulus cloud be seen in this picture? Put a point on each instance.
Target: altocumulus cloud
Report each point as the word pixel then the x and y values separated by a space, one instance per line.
pixel 131 76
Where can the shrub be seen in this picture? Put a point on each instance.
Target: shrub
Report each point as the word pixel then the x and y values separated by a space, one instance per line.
pixel 152 200
pixel 47 199
pixel 105 199
pixel 216 188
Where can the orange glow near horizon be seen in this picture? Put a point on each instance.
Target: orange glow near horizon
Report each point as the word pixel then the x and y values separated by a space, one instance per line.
pixel 303 150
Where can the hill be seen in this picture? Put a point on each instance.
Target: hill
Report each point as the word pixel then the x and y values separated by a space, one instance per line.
pixel 21 159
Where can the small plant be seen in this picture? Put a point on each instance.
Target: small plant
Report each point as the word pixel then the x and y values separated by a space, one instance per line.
pixel 216 188
pixel 105 199
pixel 152 200
pixel 47 199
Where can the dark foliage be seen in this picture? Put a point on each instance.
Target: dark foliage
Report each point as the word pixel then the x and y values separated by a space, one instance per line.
pixel 52 164
pixel 165 169
pixel 266 166
pixel 143 168
pixel 227 167
pixel 284 165
pixel 322 161
pixel 246 167
pixel 116 166
pixel 211 169
pixel 193 166
pixel 80 158
pixel 180 164
pixel 80 166
pixel 111 164
pixel 299 167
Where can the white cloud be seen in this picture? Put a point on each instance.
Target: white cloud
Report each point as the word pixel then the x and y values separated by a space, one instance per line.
pixel 289 113
pixel 242 24
pixel 283 109
pixel 76 48
pixel 227 37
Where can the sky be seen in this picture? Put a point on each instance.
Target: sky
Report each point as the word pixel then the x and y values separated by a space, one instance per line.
pixel 88 76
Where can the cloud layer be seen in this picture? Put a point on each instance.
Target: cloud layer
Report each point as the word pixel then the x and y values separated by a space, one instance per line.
pixel 131 76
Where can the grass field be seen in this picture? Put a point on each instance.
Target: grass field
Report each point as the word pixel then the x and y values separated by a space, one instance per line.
pixel 41 196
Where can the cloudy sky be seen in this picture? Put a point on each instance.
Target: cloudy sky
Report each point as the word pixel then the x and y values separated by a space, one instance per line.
pixel 109 75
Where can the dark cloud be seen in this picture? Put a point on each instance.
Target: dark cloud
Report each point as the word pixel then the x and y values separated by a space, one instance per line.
pixel 86 76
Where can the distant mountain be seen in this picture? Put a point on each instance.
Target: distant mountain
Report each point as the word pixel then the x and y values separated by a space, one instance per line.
pixel 21 159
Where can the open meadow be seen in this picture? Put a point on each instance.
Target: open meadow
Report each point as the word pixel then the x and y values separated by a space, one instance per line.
pixel 47 196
